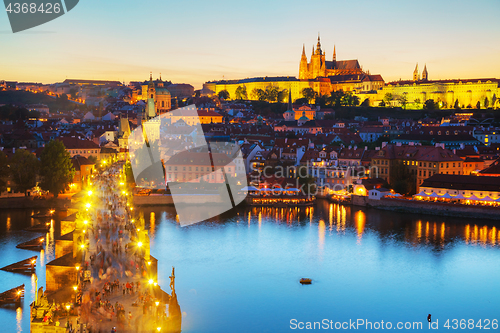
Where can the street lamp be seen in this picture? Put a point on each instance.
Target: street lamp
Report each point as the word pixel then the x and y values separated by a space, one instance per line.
pixel 67 310
pixel 89 193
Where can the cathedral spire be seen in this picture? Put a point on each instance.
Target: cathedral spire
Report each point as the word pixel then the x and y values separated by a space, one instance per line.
pixel 318 46
pixel 334 53
pixel 424 73
pixel 150 76
pixel 303 50
pixel 416 75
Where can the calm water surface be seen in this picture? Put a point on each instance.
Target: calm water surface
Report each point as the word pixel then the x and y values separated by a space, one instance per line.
pixel 240 272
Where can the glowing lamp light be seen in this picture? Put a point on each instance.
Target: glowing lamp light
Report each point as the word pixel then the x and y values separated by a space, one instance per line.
pixel 19 292
pixel 132 221
pixel 157 303
pixel 41 240
pixel 85 221
pixel 87 205
pixel 67 307
pixel 139 244
pixel 89 193
pixel 77 268
pixel 82 246
pixel 158 329
pixel 52 211
pixel 151 281
pixel 121 184
pixel 75 288
pixel 33 261
pixel 149 263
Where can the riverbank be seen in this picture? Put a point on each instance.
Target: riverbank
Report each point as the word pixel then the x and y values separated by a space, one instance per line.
pixel 33 202
pixel 428 208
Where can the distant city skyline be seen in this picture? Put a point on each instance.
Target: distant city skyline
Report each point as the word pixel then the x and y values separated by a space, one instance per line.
pixel 200 41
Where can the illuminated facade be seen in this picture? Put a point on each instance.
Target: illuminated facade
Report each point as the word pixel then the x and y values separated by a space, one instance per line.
pixel 465 93
pixel 319 74
pixel 158 93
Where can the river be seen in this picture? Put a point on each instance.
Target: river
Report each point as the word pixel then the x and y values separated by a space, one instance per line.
pixel 240 272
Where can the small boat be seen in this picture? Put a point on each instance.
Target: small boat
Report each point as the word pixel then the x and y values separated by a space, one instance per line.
pixel 305 281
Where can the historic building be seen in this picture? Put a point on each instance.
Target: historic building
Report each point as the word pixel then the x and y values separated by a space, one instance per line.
pixel 317 73
pixel 156 91
pixel 319 67
pixel 461 93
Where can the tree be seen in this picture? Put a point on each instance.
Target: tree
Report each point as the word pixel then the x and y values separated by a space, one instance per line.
pixel 259 94
pixel 241 92
pixel 24 168
pixel 271 93
pixel 493 100
pixel 456 105
pixel 282 94
pixel 486 102
pixel 388 99
pixel 335 98
pixel 348 99
pixel 56 168
pixel 430 105
pixel 478 105
pixel 223 94
pixel 4 171
pixel 309 94
pixel 417 102
pixel 403 100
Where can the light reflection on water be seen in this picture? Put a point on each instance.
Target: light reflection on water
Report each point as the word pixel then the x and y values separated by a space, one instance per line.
pixel 365 263
pixel 12 225
pixel 240 271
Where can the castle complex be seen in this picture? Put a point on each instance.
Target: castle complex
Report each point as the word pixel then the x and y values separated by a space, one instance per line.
pixel 321 75
pixel 325 76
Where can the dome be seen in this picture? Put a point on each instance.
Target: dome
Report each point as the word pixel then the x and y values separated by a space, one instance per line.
pixel 259 118
pixel 304 118
pixel 162 91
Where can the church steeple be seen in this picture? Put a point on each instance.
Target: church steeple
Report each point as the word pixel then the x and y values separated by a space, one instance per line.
pixel 303 51
pixel 424 73
pixel 334 54
pixel 318 46
pixel 416 75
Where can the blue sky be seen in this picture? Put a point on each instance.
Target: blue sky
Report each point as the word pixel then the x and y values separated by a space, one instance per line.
pixel 198 41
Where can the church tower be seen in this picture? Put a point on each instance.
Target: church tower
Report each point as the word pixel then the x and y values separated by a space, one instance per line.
pixel 303 75
pixel 150 122
pixel 416 75
pixel 318 66
pixel 334 54
pixel 424 73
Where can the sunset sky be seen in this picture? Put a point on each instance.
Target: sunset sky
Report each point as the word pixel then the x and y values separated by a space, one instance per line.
pixel 197 41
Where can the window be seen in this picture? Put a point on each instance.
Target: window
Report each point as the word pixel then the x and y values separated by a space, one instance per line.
pixel 197 169
pixel 162 104
pixel 441 165
pixel 453 164
pixel 169 168
pixel 447 165
pixel 151 95
pixel 183 168
pixel 425 173
pixel 189 168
